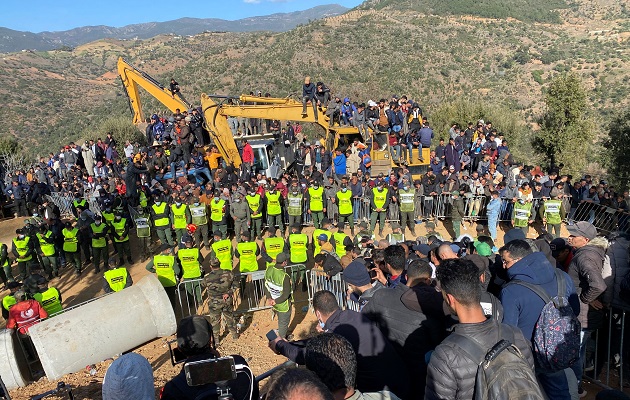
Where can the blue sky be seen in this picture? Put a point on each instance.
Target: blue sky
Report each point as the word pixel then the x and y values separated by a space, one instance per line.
pixel 56 15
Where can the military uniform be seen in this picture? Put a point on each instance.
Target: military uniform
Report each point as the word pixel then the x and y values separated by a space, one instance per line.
pixel 116 279
pixel 274 209
pixel 23 251
pixel 143 232
pixel 316 204
pixel 240 212
pixel 553 211
pixel 344 201
pixel 218 283
pixel 166 267
pixel 48 253
pixel 190 260
pixel 379 201
pixel 521 216
pixel 99 245
pixel 218 215
pixel 199 217
pixel 71 247
pixel 180 218
pixel 160 215
pixel 406 200
pixel 50 300
pixel 255 207
pixel 294 207
pixel 278 289
pixel 121 240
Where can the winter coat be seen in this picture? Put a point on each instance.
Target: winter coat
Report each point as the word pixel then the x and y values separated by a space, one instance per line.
pixel 620 265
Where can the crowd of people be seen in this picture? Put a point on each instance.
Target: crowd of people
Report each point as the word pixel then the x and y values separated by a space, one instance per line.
pixel 408 289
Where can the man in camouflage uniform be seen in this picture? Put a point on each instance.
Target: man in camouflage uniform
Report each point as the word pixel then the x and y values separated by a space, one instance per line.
pixel 220 286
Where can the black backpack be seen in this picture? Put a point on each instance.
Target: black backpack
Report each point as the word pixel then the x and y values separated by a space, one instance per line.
pixel 502 371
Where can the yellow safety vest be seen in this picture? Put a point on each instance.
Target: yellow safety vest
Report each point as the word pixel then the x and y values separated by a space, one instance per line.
pixel 116 278
pixel 217 210
pixel 316 233
pixel 179 216
pixel 164 270
pixel 198 214
pixel 98 242
pixel 70 241
pixel 161 217
pixel 254 204
pixel 345 202
pixel 380 198
pixel 49 300
pixel 297 246
pixel 47 248
pixel 316 199
pixel 21 245
pixel 143 199
pixel 119 227
pixel 247 255
pixel 223 252
pixel 273 203
pixel 552 211
pixel 273 247
pixel 340 249
pixel 8 301
pixel 189 260
pixel 108 217
pixel 522 213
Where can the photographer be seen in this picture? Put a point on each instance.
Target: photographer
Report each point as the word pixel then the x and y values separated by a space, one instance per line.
pixel 195 341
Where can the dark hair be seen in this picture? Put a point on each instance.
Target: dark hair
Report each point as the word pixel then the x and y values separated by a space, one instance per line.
pixel 395 257
pixel 287 383
pixel 325 302
pixel 460 279
pixel 319 258
pixel 331 357
pixel 486 239
pixel 419 269
pixel 517 249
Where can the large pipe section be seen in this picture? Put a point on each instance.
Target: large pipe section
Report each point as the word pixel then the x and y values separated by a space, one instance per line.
pixel 103 328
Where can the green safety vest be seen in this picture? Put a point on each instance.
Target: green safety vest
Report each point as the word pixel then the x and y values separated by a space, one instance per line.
pixel 143 199
pixel 116 278
pixel 217 210
pixel 164 270
pixel 119 227
pixel 273 203
pixel 552 211
pixel 316 233
pixel 223 252
pixel 198 214
pixel 161 217
pixel 521 214
pixel 380 197
pixel 398 237
pixel 345 202
pixel 254 204
pixel 70 241
pixel 338 238
pixel 273 247
pixel 143 229
pixel 406 199
pixel 108 217
pixel 49 300
pixel 179 216
pixel 297 246
pixel 189 260
pixel 294 204
pixel 21 245
pixel 316 199
pixel 274 279
pixel 98 242
pixel 8 301
pixel 78 203
pixel 47 248
pixel 247 251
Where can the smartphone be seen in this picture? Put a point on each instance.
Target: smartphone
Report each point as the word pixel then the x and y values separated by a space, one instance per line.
pixel 372 274
pixel 272 335
pixel 209 371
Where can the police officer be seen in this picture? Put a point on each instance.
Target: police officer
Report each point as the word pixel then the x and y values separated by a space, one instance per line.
pixel 143 232
pixel 294 205
pixel 297 245
pixel 218 213
pixel 199 217
pixel 247 252
pixel 166 266
pixel 31 283
pixel 240 212
pixel 23 249
pixel 397 235
pixel 190 259
pixel 9 300
pixel 326 225
pixel 255 206
pixel 339 241
pixel 221 249
pixel 343 199
pixel 77 203
pixel 180 216
pixel 278 291
pixel 120 227
pixel 316 208
pixel 274 208
pixel 220 286
pixel 98 233
pixel 108 217
pixel 85 220
pixel 272 246
pixel 71 246
pixel 49 298
pixel 406 199
pixel 379 202
pixel 161 217
pixel 552 212
pixel 363 232
pixel 47 252
pixel 521 216
pixel 5 262
pixel 116 278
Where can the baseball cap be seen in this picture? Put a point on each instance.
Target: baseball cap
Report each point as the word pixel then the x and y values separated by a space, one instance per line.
pixel 322 236
pixel 483 248
pixel 356 274
pixel 282 257
pixel 514 234
pixel 583 228
pixel 422 248
pixel 557 245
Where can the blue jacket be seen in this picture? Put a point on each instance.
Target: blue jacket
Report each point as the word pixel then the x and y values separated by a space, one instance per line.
pixel 493 208
pixel 521 306
pixel 426 134
pixel 340 164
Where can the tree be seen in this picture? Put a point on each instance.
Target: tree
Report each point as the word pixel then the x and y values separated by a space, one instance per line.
pixel 566 128
pixel 617 148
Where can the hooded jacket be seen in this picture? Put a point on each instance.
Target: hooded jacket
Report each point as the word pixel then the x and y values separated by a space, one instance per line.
pixel 586 271
pixel 521 306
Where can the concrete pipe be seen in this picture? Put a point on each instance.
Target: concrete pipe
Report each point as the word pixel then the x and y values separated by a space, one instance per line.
pixel 104 328
pixel 13 369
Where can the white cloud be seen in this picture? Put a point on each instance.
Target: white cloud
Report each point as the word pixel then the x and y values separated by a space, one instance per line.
pixel 251 1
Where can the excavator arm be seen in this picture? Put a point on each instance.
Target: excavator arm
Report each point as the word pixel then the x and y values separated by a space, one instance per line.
pixel 132 78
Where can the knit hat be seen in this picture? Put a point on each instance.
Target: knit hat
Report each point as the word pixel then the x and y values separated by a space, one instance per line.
pixel 129 377
pixel 356 274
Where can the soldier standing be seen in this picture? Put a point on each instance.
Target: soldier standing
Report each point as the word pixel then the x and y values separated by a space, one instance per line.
pixel 218 213
pixel 240 212
pixel 406 198
pixel 278 291
pixel 160 215
pixel 255 205
pixel 180 216
pixel 220 286
pixel 198 213
pixel 294 208
pixel 143 232
pixel 274 208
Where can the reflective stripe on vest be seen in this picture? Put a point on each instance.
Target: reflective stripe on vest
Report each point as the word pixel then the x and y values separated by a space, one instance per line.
pixel 217 210
pixel 273 203
pixel 340 249
pixel 345 202
pixel 247 252
pixel 552 211
pixel 70 241
pixel 316 233
pixel 295 204
pixel 223 252
pixel 161 218
pixel 164 270
pixel 273 247
pixel 406 200
pixel 198 214
pixel 21 245
pixel 189 260
pixel 119 227
pixel 297 246
pixel 316 199
pixel 98 242
pixel 116 278
pixel 380 198
pixel 521 214
pixel 254 204
pixel 143 229
pixel 49 300
pixel 143 199
pixel 274 279
pixel 179 216
pixel 108 217
pixel 47 248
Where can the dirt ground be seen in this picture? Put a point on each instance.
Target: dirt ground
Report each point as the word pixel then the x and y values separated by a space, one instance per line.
pixel 252 344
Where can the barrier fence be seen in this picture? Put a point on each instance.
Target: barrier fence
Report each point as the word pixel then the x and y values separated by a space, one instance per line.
pixel 605 219
pixel 64 202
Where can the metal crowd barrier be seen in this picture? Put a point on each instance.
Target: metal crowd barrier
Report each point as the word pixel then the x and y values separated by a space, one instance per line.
pixel 319 280
pixel 606 219
pixel 64 202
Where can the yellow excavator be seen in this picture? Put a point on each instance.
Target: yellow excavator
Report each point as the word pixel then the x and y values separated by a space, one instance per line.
pixel 216 109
